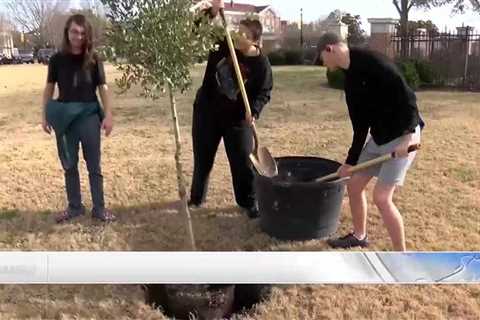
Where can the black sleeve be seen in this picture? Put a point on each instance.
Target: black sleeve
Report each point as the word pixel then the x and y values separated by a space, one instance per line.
pixel 99 73
pixel 209 81
pixel 395 85
pixel 409 116
pixel 360 131
pixel 265 85
pixel 52 76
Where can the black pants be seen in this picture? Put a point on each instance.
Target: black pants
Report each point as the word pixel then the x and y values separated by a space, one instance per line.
pixel 87 132
pixel 207 131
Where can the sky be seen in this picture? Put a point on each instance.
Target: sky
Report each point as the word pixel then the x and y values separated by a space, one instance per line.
pixel 313 9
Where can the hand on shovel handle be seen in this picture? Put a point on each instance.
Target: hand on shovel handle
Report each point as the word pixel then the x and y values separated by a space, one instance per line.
pixel 249 120
pixel 411 148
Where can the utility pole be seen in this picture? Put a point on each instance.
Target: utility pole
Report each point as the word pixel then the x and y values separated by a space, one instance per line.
pixel 301 27
pixel 22 37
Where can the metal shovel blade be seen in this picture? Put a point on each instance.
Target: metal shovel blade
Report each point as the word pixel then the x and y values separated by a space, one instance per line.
pixel 264 163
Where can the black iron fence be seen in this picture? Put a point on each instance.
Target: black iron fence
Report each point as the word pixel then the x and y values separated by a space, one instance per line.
pixel 455 58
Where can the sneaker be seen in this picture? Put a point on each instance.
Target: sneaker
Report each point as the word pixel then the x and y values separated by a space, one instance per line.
pixel 105 216
pixel 193 205
pixel 69 214
pixel 348 241
pixel 252 212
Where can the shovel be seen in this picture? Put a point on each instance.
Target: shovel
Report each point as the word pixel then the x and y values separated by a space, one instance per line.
pixel 261 158
pixel 366 164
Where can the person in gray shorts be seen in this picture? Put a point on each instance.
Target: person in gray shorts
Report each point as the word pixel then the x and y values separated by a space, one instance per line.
pixel 380 104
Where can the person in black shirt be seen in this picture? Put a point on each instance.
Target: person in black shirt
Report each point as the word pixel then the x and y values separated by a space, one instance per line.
pixel 219 112
pixel 78 72
pixel 380 104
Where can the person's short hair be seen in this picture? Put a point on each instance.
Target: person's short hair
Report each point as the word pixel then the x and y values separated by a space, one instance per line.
pixel 327 39
pixel 254 26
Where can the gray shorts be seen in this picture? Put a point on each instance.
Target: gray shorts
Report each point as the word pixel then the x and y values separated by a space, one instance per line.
pixel 392 171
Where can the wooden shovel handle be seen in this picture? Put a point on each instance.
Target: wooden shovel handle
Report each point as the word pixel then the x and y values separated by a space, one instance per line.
pixel 367 164
pixel 411 148
pixel 241 85
pixel 231 48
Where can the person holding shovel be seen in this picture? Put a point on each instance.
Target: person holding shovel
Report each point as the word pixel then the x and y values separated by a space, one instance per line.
pixel 380 104
pixel 218 112
pixel 76 116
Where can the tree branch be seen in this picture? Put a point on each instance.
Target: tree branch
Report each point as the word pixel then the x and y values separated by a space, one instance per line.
pixel 412 3
pixel 395 2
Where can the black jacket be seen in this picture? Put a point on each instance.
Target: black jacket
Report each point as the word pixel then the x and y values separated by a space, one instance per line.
pixel 379 100
pixel 257 74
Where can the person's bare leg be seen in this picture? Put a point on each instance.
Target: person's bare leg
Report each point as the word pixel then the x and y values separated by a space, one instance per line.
pixel 358 203
pixel 383 199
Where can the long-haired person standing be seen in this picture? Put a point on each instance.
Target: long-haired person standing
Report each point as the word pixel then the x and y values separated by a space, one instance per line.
pixel 76 115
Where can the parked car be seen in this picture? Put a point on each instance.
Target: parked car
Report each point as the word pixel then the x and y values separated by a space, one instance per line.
pixel 44 55
pixel 5 59
pixel 26 56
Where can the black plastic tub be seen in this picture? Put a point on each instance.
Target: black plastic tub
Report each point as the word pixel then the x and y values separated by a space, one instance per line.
pixel 294 207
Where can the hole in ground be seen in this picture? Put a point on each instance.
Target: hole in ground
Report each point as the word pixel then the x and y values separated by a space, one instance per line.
pixel 205 302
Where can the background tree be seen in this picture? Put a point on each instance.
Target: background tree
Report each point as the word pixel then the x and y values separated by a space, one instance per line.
pixel 36 17
pixel 356 35
pixel 413 27
pixel 5 23
pixel 404 7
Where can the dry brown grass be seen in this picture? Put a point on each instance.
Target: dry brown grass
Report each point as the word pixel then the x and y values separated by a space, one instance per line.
pixel 439 302
pixel 440 201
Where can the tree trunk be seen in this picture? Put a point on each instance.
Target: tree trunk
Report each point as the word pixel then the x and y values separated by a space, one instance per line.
pixel 404 29
pixel 180 178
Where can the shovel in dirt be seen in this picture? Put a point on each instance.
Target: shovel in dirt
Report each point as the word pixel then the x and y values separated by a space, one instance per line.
pixel 366 164
pixel 261 158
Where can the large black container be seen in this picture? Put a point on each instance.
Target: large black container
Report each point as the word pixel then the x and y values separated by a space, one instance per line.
pixel 294 207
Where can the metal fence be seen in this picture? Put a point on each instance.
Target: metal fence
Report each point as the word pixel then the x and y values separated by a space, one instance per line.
pixel 455 57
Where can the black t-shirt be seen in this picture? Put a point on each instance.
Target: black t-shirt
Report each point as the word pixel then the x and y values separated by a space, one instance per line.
pixel 75 84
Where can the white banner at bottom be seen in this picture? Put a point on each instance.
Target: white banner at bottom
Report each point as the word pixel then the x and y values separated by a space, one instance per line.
pixel 239 267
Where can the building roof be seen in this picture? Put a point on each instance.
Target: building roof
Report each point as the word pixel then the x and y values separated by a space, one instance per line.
pixel 242 7
pixel 233 6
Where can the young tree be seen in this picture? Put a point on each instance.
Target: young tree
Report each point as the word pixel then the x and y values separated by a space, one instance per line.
pixel 159 40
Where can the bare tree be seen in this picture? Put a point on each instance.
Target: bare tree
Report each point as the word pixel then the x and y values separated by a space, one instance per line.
pixel 5 23
pixel 95 6
pixel 56 26
pixel 463 5
pixel 36 16
pixel 404 7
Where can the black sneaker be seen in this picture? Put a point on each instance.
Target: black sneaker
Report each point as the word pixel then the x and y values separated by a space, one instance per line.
pixel 348 241
pixel 252 212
